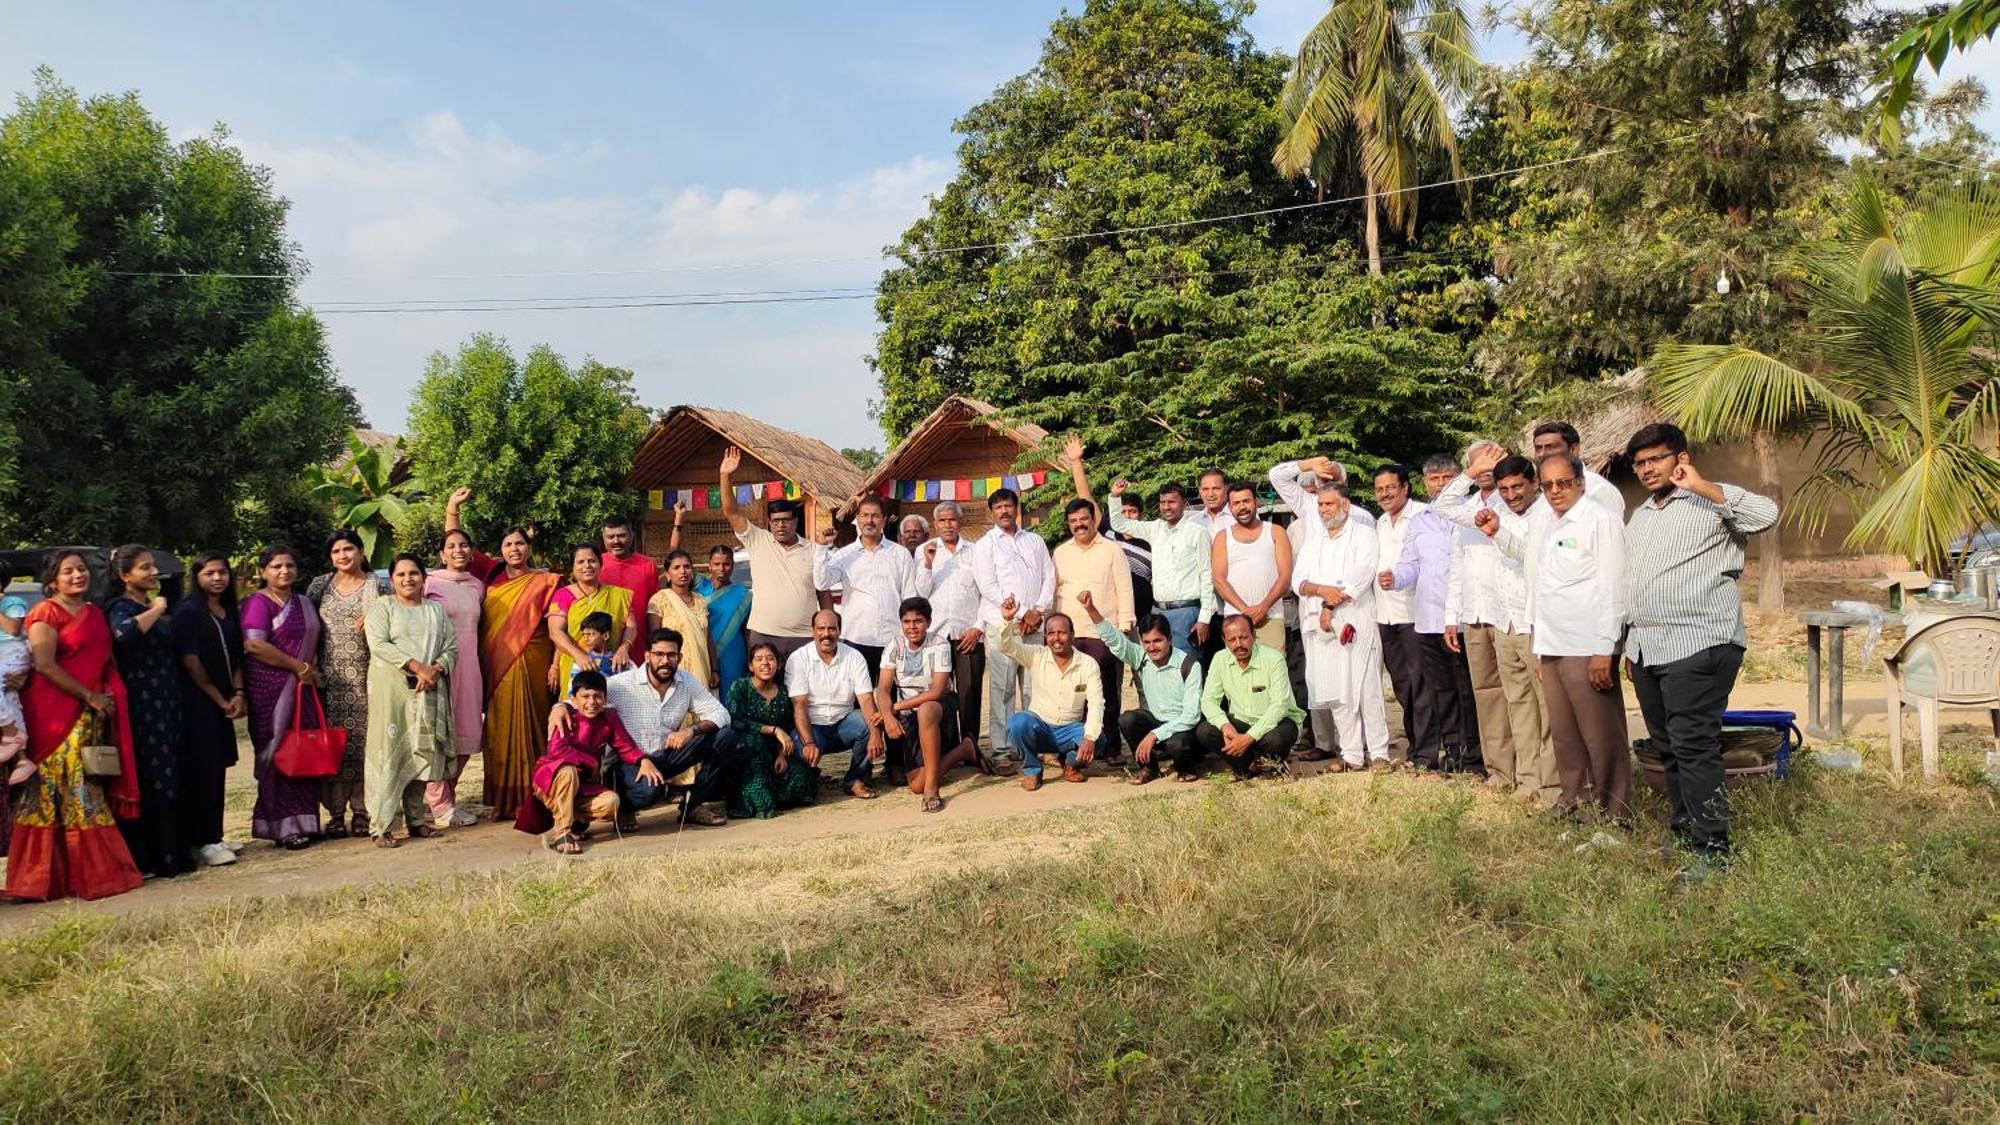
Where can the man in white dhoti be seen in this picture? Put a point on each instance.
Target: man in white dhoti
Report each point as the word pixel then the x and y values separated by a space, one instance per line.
pixel 1335 581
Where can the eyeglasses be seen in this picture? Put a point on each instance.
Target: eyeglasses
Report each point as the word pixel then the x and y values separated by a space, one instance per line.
pixel 1561 483
pixel 1655 459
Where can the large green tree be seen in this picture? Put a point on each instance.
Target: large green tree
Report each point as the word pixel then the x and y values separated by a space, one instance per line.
pixel 142 396
pixel 1187 342
pixel 538 441
pixel 1371 96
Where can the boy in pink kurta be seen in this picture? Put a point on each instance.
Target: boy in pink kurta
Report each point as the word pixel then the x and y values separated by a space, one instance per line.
pixel 576 754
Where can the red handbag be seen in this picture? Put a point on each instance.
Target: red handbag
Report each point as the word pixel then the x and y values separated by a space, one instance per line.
pixel 310 753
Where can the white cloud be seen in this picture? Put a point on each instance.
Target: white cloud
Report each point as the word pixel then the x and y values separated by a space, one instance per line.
pixel 446 211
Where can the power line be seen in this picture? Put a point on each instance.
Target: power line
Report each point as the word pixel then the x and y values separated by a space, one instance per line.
pixel 420 301
pixel 869 295
pixel 1017 244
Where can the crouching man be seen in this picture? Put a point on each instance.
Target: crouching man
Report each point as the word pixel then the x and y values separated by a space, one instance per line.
pixel 1247 713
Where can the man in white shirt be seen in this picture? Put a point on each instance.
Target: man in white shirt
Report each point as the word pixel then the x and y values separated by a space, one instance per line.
pixel 833 703
pixel 1488 619
pixel 1335 580
pixel 876 575
pixel 654 701
pixel 1010 562
pixel 947 559
pixel 1552 438
pixel 1574 556
pixel 1458 706
pixel 1298 484
pixel 1213 489
pixel 911 531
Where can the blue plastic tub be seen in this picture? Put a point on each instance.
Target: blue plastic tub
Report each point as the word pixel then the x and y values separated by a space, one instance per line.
pixel 1786 723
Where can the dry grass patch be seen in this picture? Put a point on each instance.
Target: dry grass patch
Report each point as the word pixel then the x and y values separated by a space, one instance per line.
pixel 1346 948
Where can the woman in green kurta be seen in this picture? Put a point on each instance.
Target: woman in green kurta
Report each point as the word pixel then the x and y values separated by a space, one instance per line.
pixel 775 774
pixel 411 649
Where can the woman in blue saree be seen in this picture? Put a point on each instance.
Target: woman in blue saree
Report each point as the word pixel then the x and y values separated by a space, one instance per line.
pixel 728 610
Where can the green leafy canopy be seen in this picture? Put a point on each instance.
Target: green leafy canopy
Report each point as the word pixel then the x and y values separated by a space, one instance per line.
pixel 538 441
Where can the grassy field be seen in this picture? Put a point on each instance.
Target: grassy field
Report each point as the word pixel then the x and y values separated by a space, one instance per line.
pixel 1342 948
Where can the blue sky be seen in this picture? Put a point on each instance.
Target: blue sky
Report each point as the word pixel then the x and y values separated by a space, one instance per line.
pixel 451 151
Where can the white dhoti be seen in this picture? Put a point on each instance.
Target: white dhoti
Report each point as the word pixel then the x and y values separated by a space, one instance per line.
pixel 1345 679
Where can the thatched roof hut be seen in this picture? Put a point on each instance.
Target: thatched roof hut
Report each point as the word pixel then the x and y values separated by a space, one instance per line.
pixel 962 447
pixel 679 459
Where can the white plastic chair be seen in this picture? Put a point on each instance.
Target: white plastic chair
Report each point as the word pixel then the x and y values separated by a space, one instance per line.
pixel 1950 663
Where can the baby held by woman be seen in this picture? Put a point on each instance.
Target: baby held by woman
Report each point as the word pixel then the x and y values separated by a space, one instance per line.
pixel 14 660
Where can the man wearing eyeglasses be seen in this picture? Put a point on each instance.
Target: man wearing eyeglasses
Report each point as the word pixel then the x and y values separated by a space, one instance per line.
pixel 1684 551
pixel 1574 559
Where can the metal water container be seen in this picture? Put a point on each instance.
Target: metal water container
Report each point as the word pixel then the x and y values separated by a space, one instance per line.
pixel 1982 582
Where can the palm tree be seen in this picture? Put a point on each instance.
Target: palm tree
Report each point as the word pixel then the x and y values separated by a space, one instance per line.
pixel 1898 368
pixel 1373 90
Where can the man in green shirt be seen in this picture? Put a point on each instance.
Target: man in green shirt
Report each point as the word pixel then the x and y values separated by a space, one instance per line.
pixel 1162 728
pixel 1247 713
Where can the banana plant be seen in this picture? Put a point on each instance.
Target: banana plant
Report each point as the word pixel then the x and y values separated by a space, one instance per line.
pixel 361 493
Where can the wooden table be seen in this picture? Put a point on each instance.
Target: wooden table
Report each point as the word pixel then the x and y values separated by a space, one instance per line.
pixel 1832 722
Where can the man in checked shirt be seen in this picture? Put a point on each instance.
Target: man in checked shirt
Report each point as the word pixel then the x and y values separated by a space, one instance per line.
pixel 1683 553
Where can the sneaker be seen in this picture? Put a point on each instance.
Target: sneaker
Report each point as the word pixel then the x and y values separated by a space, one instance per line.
pixel 217 855
pixel 235 846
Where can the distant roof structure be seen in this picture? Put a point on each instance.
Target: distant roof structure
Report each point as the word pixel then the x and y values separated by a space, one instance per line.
pixel 383 442
pixel 1623 407
pixel 939 429
pixel 817 467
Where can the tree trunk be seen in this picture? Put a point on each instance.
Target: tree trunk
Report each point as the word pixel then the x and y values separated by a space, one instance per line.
pixel 1770 547
pixel 1374 229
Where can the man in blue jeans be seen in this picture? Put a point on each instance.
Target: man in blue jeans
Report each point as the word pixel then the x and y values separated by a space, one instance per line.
pixel 1065 712
pixel 833 703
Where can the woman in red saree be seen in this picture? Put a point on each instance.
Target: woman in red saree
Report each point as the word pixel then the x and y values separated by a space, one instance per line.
pixel 65 839
pixel 514 656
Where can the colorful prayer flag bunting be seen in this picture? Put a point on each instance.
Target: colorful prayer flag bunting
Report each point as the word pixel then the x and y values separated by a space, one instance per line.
pixel 656 499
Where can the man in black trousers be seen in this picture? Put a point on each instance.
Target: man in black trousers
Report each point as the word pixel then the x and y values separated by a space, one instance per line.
pixel 1683 553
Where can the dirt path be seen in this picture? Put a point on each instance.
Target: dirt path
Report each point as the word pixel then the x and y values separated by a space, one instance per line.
pixel 263 870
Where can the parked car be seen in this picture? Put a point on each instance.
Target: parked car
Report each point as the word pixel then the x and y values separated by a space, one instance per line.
pixel 21 571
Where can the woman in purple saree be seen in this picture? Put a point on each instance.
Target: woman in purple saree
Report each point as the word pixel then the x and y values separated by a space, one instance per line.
pixel 281 638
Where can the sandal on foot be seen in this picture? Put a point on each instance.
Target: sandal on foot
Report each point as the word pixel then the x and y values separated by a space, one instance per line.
pixel 860 791
pixel 1184 777
pixel 1145 774
pixel 423 831
pixel 335 830
pixel 933 804
pixel 387 841
pixel 566 844
pixel 295 843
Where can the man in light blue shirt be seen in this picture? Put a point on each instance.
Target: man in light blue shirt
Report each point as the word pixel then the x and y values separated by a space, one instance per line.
pixel 1169 679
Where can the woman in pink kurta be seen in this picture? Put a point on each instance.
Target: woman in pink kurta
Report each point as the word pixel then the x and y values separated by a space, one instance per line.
pixel 461 593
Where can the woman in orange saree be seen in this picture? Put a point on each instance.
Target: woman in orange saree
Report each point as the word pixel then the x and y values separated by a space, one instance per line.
pixel 514 656
pixel 65 840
